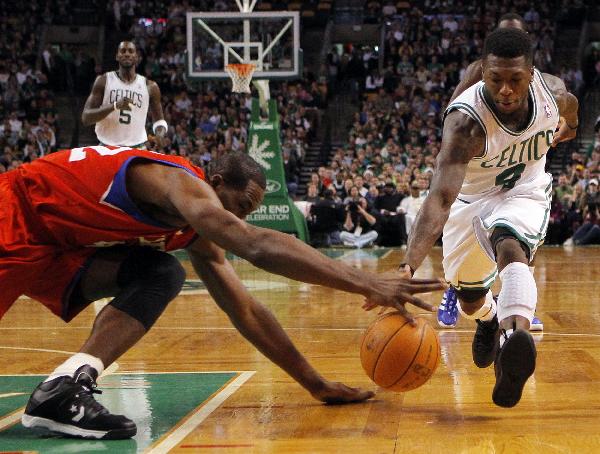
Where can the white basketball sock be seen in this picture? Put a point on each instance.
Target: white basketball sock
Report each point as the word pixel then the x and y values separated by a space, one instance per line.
pixel 485 312
pixel 518 295
pixel 75 362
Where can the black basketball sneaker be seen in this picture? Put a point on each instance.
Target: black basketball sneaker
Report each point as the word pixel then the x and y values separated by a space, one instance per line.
pixel 66 405
pixel 485 342
pixel 514 364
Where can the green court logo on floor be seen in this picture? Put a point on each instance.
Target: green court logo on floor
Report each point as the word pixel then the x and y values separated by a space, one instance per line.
pixel 156 402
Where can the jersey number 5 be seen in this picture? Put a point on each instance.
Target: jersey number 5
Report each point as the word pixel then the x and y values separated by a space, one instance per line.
pixel 509 177
pixel 125 116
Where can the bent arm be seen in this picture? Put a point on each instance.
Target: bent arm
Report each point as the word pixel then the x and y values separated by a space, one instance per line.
pixel 568 105
pixel 156 110
pixel 462 140
pixel 472 76
pixel 253 320
pixel 270 250
pixel 93 111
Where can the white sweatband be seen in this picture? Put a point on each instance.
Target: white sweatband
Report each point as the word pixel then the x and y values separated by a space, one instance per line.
pixel 518 295
pixel 485 312
pixel 160 123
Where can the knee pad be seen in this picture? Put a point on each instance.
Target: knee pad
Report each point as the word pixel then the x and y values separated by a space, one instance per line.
pixel 502 233
pixel 149 280
pixel 518 295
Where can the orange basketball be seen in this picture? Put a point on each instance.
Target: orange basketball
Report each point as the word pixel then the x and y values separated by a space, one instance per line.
pixel 398 356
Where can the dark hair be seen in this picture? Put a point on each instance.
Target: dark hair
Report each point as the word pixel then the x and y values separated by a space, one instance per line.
pixel 508 43
pixel 513 16
pixel 238 169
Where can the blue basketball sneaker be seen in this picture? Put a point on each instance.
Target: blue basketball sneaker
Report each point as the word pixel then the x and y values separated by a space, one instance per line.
pixel 447 314
pixel 536 324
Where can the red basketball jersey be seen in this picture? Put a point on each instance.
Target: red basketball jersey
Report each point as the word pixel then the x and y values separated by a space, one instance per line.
pixel 80 198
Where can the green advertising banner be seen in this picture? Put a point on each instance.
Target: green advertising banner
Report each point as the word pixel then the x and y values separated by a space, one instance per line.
pixel 277 211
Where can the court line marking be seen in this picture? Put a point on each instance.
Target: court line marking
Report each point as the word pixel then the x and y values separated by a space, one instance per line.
pixel 212 328
pixel 179 434
pixel 45 350
pixel 11 419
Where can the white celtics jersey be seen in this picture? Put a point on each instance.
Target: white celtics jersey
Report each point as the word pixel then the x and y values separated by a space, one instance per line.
pixel 510 157
pixel 124 127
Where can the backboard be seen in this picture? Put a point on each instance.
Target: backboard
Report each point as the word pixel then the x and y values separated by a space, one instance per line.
pixel 270 40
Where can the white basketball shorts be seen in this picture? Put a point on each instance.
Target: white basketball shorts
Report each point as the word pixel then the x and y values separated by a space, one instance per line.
pixel 524 210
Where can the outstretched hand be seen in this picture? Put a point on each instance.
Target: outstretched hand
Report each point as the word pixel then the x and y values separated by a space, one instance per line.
pixel 336 393
pixel 397 288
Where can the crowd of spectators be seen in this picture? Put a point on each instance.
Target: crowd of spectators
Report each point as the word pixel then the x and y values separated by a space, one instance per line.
pixel 28 118
pixel 377 181
pixel 389 153
pixel 575 213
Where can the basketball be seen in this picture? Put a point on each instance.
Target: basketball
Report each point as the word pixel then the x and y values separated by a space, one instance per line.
pixel 398 356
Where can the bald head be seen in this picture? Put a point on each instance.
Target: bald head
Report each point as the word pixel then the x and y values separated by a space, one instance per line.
pixel 127 55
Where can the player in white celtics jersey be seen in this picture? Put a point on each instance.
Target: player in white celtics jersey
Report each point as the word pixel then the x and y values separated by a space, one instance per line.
pixel 490 196
pixel 119 103
pixel 447 314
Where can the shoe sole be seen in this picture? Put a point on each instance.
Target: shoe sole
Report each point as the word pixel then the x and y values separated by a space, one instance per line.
pixel 536 327
pixel 516 362
pixel 35 422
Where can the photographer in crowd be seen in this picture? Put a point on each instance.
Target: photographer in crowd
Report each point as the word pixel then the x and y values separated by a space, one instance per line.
pixel 326 216
pixel 393 227
pixel 360 225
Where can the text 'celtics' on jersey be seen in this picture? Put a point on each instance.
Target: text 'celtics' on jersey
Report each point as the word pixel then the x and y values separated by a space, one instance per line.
pixel 125 127
pixel 510 157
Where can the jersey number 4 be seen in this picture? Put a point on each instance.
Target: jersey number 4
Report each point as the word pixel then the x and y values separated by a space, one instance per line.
pixel 125 116
pixel 510 176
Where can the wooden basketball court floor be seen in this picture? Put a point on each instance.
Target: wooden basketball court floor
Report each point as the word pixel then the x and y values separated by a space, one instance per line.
pixel 193 384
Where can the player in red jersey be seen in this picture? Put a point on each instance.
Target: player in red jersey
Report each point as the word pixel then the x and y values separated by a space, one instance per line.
pixel 76 226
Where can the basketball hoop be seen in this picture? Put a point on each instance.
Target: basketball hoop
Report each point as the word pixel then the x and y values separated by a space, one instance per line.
pixel 241 75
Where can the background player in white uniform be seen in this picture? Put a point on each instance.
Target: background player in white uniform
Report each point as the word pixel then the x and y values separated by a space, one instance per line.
pixel 119 102
pixel 448 311
pixel 491 187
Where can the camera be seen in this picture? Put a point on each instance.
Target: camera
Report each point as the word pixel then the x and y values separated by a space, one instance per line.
pixel 353 207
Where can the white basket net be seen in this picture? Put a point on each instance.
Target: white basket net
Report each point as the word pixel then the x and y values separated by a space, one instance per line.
pixel 241 75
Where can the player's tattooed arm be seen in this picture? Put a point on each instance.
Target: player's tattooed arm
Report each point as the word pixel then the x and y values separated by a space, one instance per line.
pixel 462 140
pixel 568 107
pixel 471 77
pixel 93 110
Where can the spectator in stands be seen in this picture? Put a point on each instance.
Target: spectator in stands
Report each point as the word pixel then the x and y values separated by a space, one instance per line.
pixel 353 196
pixel 392 223
pixel 360 225
pixel 326 219
pixel 291 173
pixel 312 194
pixel 589 231
pixel 563 190
pixel 410 206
